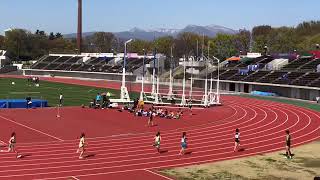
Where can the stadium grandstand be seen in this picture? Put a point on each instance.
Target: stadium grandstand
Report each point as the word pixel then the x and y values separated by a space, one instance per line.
pixel 274 73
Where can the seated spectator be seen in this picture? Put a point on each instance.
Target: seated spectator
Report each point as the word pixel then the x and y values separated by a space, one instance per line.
pixel 104 101
pixel 140 104
pixel 135 103
pixel 98 99
pixel 93 103
pixel 178 115
pixel 29 102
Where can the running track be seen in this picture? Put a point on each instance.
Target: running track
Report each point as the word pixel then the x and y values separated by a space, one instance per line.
pixel 120 146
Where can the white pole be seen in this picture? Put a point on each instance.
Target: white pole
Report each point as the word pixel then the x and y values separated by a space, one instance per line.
pixel 142 84
pixel 123 94
pixel 191 79
pixel 211 72
pixel 170 93
pixel 153 91
pixel 218 82
pixel 158 76
pixel 183 98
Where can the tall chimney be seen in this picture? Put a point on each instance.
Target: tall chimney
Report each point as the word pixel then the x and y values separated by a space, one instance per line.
pixel 79 34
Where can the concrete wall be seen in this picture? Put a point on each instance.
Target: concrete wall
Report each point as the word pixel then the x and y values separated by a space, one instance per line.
pixel 7 69
pixel 90 75
pixel 305 93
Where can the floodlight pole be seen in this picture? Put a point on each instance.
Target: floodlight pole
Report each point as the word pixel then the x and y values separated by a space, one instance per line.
pixel 206 81
pixel 218 81
pixel 142 84
pixel 124 90
pixel 183 98
pixel 153 90
pixel 170 93
pixel 191 79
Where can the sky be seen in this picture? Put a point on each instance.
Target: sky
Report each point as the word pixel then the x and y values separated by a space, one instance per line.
pixel 122 15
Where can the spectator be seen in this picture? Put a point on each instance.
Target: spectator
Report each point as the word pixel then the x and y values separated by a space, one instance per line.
pixel 60 99
pixel 98 99
pixel 93 103
pixel 104 101
pixel 135 103
pixel 29 102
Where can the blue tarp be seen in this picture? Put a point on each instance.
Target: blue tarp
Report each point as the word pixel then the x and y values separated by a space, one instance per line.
pixel 260 93
pixel 22 103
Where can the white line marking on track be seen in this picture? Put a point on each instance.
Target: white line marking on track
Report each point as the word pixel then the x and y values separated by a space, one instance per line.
pixel 74 178
pixel 131 138
pixel 181 164
pixel 2 143
pixel 28 127
pixel 158 174
pixel 194 157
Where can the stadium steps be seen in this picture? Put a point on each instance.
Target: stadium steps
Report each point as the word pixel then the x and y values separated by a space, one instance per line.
pixel 291 76
pixel 60 64
pixel 315 83
pixel 39 61
pixel 251 77
pixel 311 66
pixel 306 79
pixel 272 76
pixel 52 62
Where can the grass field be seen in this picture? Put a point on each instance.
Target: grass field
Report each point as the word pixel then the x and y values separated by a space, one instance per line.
pixel 74 95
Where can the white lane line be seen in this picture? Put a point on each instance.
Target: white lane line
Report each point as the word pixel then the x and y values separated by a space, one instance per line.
pixel 2 143
pixel 133 145
pixel 131 138
pixel 203 141
pixel 193 144
pixel 117 157
pixel 28 127
pixel 74 178
pixel 184 164
pixel 158 174
pixel 167 166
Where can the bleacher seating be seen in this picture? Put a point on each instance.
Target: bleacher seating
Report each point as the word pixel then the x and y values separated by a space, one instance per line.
pixel 50 59
pixel 296 63
pixel 272 76
pixel 62 59
pixel 256 75
pixel 312 65
pixel 315 83
pixel 288 78
pixel 40 65
pixel 306 79
pixel 227 74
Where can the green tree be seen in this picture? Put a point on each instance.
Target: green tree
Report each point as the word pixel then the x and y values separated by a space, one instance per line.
pixel 224 46
pixel 51 36
pixel 163 45
pixel 186 44
pixel 2 42
pixel 137 46
pixel 102 41
pixel 58 35
pixel 16 42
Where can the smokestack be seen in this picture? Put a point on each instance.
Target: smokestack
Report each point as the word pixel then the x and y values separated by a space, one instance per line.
pixel 79 34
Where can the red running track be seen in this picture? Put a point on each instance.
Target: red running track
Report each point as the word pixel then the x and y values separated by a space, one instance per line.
pixel 120 145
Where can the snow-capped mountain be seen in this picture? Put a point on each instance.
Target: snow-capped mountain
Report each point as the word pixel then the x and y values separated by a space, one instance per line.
pixel 150 34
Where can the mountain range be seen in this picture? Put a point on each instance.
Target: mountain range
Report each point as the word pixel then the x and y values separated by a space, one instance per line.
pixel 149 35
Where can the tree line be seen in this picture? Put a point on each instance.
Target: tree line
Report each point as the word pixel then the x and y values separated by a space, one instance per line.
pixel 23 44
